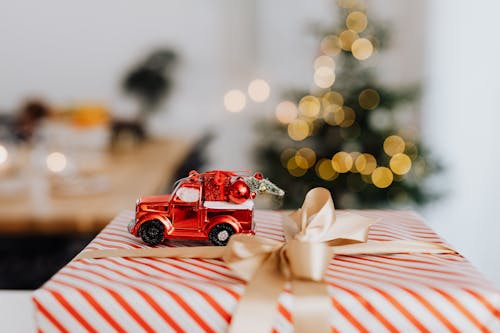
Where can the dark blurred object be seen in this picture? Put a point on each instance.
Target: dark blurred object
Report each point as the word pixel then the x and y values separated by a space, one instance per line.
pixel 6 126
pixel 30 115
pixel 126 134
pixel 150 80
pixel 26 262
pixel 196 160
pixel 21 125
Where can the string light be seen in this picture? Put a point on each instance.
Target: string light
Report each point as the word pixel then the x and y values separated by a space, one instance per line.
pixel 394 145
pixel 259 90
pixel 347 3
pixel 309 106
pixel 382 177
pixel 400 164
pixel 235 100
pixel 56 162
pixel 301 162
pixel 330 45
pixel 347 37
pixel 324 77
pixel 294 169
pixel 332 98
pixel 333 114
pixel 369 99
pixel 354 155
pixel 349 117
pixel 342 162
pixel 309 155
pixel 362 49
pixel 324 61
pixel 411 150
pixel 4 154
pixel 324 170
pixel 286 155
pixel 365 164
pixel 356 21
pixel 298 130
pixel 286 112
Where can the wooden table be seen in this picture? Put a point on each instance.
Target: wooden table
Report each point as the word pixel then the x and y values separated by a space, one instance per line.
pixel 143 171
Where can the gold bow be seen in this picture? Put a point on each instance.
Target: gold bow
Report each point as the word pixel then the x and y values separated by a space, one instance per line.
pixel 314 234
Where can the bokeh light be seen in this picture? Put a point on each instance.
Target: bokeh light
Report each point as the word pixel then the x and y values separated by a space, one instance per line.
pixel 235 100
pixel 411 150
pixel 400 164
pixel 324 170
pixel 362 49
pixel 349 117
pixel 356 21
pixel 342 162
pixel 330 45
pixel 286 112
pixel 301 161
pixel 347 4
pixel 382 177
pixel 332 98
pixel 354 155
pixel 298 129
pixel 4 154
pixel 369 99
pixel 309 106
pixel 324 77
pixel 308 154
pixel 365 164
pixel 333 114
pixel 294 169
pixel 259 90
pixel 324 61
pixel 286 155
pixel 347 37
pixel 393 145
pixel 56 162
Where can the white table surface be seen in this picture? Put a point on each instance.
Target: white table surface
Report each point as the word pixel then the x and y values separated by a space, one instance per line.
pixel 16 311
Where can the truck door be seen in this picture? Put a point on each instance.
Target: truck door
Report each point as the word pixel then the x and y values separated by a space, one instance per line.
pixel 185 206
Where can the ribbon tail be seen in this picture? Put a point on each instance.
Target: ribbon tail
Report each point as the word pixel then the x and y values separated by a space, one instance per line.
pixel 391 247
pixel 311 305
pixel 258 305
pixel 205 252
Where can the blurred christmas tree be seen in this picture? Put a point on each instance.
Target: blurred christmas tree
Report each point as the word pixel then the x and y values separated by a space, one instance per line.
pixel 350 134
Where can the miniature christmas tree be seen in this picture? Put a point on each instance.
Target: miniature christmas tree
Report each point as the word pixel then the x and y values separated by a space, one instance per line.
pixel 350 134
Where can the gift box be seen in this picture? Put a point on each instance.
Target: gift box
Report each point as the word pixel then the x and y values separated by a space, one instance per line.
pixel 378 293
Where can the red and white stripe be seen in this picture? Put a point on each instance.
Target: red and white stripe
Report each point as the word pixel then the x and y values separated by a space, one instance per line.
pixel 371 293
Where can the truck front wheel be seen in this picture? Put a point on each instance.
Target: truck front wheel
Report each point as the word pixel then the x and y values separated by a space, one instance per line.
pixel 152 232
pixel 219 235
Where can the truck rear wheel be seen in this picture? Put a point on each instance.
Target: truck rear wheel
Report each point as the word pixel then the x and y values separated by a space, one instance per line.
pixel 152 232
pixel 219 235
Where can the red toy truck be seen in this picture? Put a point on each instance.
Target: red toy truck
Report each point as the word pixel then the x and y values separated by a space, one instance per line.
pixel 213 205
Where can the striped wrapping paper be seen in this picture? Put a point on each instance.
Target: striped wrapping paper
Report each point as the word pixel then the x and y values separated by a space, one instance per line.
pixel 395 293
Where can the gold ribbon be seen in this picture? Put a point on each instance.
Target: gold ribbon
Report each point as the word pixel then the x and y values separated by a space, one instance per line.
pixel 314 234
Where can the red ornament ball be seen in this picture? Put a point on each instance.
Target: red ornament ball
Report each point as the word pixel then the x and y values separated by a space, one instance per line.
pixel 239 192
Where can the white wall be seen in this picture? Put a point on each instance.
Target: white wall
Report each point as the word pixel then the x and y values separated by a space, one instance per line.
pixel 461 117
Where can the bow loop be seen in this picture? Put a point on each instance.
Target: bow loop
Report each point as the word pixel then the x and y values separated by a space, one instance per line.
pixel 317 221
pixel 245 254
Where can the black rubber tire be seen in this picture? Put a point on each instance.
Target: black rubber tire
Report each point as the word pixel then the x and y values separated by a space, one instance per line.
pixel 219 234
pixel 152 232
